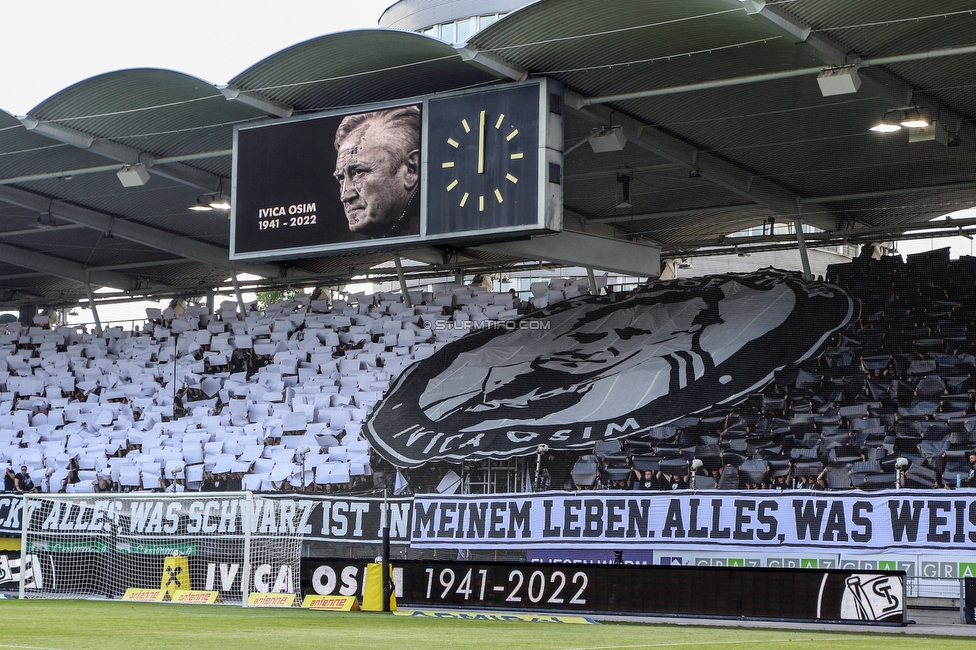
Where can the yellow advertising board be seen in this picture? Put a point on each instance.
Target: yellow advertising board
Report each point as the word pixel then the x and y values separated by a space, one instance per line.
pixel 194 597
pixel 270 600
pixel 332 603
pixel 136 595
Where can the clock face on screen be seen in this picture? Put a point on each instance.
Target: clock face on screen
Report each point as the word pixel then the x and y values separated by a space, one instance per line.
pixel 483 161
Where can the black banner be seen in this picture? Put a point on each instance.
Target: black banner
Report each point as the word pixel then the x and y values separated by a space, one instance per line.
pixel 10 507
pixel 318 518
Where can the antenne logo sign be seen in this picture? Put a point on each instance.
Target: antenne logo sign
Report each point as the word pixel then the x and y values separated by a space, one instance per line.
pixel 604 367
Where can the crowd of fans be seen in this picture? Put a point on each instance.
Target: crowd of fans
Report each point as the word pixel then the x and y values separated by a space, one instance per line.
pixel 889 402
pixel 194 400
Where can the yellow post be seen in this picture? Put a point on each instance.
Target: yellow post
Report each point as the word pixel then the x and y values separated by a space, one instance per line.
pixel 373 593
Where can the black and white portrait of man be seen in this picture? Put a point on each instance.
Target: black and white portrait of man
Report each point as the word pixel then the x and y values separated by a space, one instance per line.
pixel 601 368
pixel 378 170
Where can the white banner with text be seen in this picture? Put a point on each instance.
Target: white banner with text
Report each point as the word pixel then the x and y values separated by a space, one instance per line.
pixel 853 522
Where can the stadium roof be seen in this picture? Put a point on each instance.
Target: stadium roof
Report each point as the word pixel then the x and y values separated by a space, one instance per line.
pixel 725 121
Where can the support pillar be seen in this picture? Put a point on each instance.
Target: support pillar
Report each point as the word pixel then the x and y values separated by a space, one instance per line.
pixel 242 315
pixel 802 244
pixel 403 283
pixel 595 290
pixel 94 310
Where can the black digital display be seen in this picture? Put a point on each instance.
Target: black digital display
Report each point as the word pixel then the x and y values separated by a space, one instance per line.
pixel 451 167
pixel 722 592
pixel 328 182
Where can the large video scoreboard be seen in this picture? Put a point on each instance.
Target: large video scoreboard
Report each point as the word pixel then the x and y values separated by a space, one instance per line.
pixel 469 166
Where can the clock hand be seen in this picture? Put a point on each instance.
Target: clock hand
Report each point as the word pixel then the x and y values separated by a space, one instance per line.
pixel 481 144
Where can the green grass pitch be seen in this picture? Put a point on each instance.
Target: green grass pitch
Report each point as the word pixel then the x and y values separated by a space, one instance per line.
pixel 102 625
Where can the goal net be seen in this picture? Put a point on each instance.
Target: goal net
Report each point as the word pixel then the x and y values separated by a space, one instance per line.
pixel 99 546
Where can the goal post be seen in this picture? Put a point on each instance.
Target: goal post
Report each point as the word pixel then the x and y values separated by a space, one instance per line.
pixel 99 545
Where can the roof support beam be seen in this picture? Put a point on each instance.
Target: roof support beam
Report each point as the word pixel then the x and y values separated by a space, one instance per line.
pixel 177 172
pixel 671 214
pixel 490 63
pixel 139 233
pixel 711 167
pixel 263 104
pixel 71 271
pixel 579 249
pixel 68 173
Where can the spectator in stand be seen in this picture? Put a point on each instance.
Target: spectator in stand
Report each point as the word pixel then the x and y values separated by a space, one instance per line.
pixel 818 482
pixel 23 481
pixel 672 481
pixel 104 483
pixel 645 481
pixel 9 479
pixel 72 476
pixel 972 469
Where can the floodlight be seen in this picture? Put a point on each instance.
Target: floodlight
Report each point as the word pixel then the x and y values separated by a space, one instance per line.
pixel 838 81
pixel 890 123
pixel 133 175
pixel 624 181
pixel 607 138
pixel 220 202
pixel 202 205
pixel 915 119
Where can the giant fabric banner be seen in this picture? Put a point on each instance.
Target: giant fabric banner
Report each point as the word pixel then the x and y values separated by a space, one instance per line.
pixel 916 521
pixel 602 368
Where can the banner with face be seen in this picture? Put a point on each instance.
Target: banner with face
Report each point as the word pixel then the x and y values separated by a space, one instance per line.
pixel 602 368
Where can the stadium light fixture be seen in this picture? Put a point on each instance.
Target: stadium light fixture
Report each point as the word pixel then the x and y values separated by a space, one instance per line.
pixel 607 138
pixel 202 205
pixel 890 123
pixel 220 202
pixel 624 180
pixel 915 118
pixel 133 175
pixel 208 202
pixel 838 81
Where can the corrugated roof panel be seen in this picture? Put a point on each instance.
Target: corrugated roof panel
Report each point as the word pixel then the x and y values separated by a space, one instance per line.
pixel 882 28
pixel 356 67
pixel 158 111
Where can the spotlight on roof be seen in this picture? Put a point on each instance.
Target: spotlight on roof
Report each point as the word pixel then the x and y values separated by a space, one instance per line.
pixel 211 202
pixel 202 204
pixel 624 181
pixel 838 81
pixel 607 138
pixel 890 123
pixel 220 203
pixel 133 175
pixel 915 118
